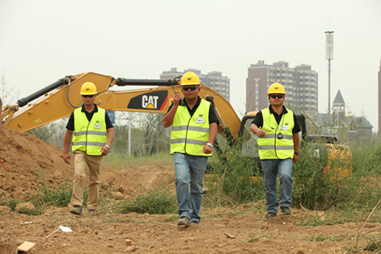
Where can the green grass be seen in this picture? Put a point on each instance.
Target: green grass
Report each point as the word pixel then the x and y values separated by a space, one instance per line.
pixel 321 238
pixel 157 201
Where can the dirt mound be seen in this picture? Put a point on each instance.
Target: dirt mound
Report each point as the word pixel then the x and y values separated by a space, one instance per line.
pixel 23 158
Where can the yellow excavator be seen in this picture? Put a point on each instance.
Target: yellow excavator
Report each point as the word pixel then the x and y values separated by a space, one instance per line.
pixel 59 99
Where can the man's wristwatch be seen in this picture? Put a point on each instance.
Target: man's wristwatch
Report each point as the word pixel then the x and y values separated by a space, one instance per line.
pixel 210 144
pixel 107 147
pixel 297 153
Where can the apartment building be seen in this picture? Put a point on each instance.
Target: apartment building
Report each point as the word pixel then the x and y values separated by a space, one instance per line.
pixel 300 83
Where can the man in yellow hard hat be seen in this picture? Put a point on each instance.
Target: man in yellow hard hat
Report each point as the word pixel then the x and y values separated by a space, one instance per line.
pixel 93 135
pixel 194 128
pixel 278 147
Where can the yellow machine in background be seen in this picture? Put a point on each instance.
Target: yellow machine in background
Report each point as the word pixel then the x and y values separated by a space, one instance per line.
pixel 59 99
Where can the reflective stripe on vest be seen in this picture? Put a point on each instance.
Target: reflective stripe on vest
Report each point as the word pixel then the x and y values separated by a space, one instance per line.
pixel 89 137
pixel 270 147
pixel 190 134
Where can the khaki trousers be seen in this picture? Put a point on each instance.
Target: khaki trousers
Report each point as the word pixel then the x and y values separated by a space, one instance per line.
pixel 81 161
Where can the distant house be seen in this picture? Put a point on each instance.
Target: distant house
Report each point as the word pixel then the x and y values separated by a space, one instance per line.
pixel 345 127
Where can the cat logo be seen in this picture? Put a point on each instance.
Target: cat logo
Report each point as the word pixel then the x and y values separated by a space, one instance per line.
pixel 201 115
pixel 149 101
pixel 190 78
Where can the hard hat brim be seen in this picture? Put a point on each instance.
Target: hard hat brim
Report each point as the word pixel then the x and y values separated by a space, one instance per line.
pixel 189 84
pixel 88 93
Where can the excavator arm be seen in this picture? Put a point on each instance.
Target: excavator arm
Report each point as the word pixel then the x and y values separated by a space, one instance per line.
pixel 59 99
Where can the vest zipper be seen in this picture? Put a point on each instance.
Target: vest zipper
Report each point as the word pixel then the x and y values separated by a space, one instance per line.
pixel 186 135
pixel 87 129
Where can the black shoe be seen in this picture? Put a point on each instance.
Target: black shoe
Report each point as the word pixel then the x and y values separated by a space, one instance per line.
pixel 270 215
pixel 285 210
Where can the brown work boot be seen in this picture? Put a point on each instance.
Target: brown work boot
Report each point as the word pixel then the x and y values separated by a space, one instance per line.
pixel 76 210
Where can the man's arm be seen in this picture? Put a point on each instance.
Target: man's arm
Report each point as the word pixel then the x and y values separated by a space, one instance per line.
pixel 168 118
pixel 260 132
pixel 295 137
pixel 212 136
pixel 110 138
pixel 67 140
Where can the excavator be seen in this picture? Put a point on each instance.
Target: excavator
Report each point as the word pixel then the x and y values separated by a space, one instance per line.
pixel 59 99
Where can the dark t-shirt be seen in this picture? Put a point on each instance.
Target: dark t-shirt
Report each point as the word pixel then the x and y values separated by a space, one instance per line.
pixel 212 115
pixel 258 121
pixel 70 124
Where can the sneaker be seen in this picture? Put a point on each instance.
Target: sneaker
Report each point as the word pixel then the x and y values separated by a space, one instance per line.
pixel 270 215
pixel 184 221
pixel 194 223
pixel 285 210
pixel 76 210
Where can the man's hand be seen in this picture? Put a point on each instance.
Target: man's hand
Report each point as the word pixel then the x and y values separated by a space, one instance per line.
pixel 295 159
pixel 261 133
pixel 104 151
pixel 207 149
pixel 177 99
pixel 67 158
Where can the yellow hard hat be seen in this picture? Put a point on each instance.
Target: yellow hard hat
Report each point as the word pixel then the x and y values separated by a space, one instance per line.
pixel 88 88
pixel 276 88
pixel 190 78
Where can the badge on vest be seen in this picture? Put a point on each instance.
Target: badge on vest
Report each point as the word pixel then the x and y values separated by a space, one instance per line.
pixel 200 120
pixel 97 126
pixel 284 127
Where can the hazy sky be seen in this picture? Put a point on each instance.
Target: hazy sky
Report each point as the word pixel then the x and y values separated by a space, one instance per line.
pixel 41 41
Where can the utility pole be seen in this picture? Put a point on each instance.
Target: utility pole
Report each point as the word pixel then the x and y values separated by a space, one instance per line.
pixel 129 132
pixel 329 57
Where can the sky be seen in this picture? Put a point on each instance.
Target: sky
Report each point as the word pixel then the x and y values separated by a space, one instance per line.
pixel 42 41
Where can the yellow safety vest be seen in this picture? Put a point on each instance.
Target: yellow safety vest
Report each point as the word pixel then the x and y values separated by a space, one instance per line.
pixel 190 134
pixel 270 146
pixel 91 136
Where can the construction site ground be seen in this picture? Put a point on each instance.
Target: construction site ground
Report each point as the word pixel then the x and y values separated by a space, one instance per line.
pixel 239 229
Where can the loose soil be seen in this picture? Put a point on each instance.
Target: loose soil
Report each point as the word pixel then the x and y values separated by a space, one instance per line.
pixel 24 159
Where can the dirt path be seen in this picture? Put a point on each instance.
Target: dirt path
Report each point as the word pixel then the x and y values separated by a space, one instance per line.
pixel 222 230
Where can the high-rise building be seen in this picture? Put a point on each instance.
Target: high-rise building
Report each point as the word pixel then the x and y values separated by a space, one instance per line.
pixel 213 80
pixel 300 83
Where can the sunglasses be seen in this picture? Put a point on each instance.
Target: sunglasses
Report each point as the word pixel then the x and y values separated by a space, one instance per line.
pixel 88 96
pixel 280 96
pixel 192 88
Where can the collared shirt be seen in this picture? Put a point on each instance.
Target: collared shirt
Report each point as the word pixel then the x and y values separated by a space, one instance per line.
pixel 70 124
pixel 258 121
pixel 212 115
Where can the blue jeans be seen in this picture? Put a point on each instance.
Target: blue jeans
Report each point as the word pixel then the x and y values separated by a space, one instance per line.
pixel 189 169
pixel 270 169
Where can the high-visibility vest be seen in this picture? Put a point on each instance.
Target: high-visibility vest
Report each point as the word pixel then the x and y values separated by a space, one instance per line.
pixel 91 136
pixel 190 134
pixel 270 146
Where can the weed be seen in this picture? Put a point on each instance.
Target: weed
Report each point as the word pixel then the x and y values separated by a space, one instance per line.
pixel 12 204
pixel 373 245
pixel 321 238
pixel 157 201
